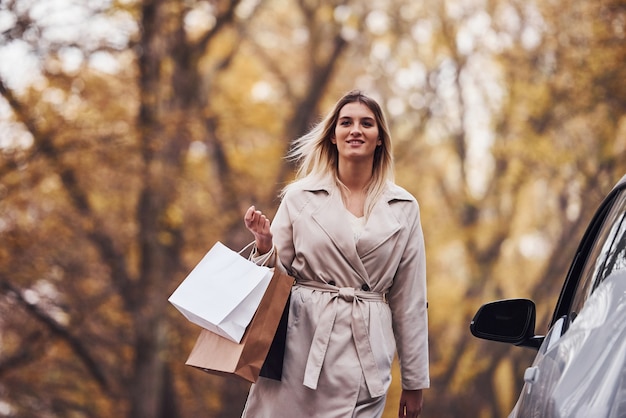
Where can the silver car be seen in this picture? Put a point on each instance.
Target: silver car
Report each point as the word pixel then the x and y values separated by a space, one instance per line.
pixel 580 367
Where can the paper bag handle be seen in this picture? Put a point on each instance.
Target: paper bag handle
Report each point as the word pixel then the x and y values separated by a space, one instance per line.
pixel 263 258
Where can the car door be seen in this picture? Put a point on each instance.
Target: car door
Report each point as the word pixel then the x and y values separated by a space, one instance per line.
pixel 579 369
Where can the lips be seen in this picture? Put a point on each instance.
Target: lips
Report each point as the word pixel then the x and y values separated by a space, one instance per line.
pixel 356 142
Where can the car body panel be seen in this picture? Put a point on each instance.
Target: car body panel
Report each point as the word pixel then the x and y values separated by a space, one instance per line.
pixel 582 373
pixel 580 366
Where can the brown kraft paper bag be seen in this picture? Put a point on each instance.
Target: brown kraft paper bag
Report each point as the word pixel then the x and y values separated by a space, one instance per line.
pixel 217 355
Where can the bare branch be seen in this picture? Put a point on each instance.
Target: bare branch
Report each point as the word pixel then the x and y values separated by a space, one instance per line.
pixel 44 144
pixel 29 351
pixel 63 333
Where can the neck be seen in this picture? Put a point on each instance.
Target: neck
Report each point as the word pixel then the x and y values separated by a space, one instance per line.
pixel 355 176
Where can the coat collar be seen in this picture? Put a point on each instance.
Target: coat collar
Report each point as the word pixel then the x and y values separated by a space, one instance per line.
pixel 392 191
pixel 381 225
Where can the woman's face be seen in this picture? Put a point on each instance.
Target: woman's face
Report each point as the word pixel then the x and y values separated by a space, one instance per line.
pixel 356 132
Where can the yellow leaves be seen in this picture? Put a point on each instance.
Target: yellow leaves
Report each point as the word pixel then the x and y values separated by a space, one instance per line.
pixel 472 363
pixel 504 381
pixel 554 113
pixel 174 216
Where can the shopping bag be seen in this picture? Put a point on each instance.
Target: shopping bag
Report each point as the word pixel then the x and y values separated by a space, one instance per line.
pixel 252 356
pixel 222 293
pixel 273 365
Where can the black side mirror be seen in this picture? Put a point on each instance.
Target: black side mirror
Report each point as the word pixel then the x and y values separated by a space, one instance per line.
pixel 509 321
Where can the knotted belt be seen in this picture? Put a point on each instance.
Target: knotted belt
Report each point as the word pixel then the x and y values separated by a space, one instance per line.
pixel 360 334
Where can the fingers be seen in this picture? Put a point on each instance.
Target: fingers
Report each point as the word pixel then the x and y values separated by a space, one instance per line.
pixel 411 403
pixel 406 413
pixel 256 222
pixel 249 215
pixel 401 412
pixel 259 225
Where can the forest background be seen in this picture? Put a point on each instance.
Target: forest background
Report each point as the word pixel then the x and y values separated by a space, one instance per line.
pixel 134 134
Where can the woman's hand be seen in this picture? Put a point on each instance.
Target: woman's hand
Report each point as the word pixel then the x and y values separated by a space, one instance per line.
pixel 259 225
pixel 410 403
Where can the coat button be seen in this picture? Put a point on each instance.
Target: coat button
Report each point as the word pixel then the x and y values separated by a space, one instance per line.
pixel 365 287
pixel 332 283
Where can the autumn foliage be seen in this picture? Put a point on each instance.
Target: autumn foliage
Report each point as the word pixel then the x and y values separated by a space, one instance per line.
pixel 134 134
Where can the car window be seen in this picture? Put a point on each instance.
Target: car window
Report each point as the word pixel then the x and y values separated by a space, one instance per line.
pixel 607 255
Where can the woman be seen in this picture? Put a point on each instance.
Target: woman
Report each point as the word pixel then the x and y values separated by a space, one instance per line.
pixel 353 241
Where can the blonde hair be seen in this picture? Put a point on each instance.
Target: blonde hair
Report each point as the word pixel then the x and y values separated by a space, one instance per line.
pixel 318 159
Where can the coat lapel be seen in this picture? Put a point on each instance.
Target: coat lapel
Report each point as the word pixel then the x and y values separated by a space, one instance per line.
pixel 331 218
pixel 381 225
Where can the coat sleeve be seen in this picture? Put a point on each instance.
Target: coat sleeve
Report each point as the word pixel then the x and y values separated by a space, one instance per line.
pixel 408 303
pixel 282 231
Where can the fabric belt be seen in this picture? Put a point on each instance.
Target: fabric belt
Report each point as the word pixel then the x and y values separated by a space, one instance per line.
pixel 360 334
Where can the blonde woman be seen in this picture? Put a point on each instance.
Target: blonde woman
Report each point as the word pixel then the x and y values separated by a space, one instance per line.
pixel 353 241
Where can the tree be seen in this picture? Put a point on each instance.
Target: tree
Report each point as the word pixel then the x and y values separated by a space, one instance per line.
pixel 114 198
pixel 143 136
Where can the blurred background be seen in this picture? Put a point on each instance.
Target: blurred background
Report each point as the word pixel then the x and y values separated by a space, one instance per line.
pixel 134 134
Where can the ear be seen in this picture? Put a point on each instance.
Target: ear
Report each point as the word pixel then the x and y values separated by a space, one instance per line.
pixel 333 139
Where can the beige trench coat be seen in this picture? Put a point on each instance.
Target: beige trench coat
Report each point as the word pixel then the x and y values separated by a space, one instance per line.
pixel 352 305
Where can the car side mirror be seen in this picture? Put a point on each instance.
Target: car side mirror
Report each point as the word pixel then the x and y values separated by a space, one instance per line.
pixel 509 321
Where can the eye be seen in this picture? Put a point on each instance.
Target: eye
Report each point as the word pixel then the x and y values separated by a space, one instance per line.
pixel 344 122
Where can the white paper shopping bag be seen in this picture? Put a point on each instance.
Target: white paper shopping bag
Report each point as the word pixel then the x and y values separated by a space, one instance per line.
pixel 222 293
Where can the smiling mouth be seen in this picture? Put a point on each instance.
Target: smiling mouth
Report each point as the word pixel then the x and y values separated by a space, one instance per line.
pixel 356 141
